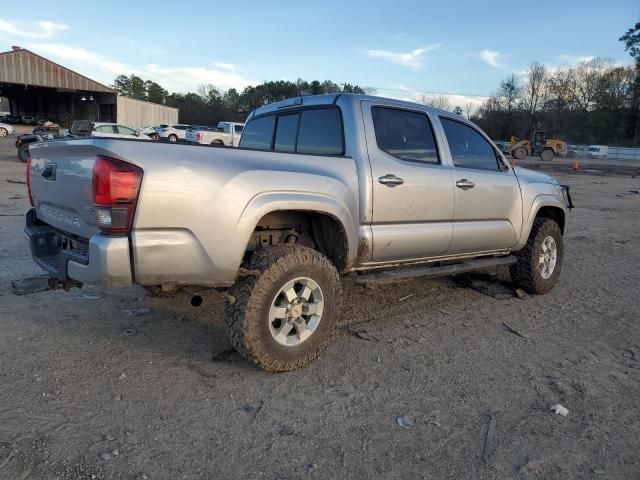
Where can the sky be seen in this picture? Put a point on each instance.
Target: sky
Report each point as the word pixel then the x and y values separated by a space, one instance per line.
pixel 401 48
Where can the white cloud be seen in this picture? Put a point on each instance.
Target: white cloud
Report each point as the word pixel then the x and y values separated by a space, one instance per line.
pixel 573 59
pixel 413 59
pixel 40 30
pixel 104 69
pixel 225 66
pixel 182 79
pixel 490 57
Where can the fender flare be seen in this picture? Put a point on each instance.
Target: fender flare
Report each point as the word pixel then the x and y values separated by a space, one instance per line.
pixel 268 202
pixel 540 201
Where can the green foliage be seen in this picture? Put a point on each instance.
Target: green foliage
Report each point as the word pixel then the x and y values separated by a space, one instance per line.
pixel 209 105
pixel 631 40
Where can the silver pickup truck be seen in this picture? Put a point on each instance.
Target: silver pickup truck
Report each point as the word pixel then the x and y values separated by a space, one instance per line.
pixel 319 186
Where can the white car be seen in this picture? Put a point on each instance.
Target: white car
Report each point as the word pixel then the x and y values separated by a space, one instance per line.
pixel 226 133
pixel 114 130
pixel 6 130
pixel 173 133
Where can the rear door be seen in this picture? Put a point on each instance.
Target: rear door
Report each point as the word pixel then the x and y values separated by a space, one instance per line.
pixel 412 187
pixel 488 204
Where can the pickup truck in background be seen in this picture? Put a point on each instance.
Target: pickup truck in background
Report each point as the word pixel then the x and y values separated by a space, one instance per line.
pixel 226 133
pixel 320 186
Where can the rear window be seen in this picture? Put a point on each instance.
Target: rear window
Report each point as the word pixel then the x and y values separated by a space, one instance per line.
pixel 257 133
pixel 286 133
pixel 315 131
pixel 405 134
pixel 320 132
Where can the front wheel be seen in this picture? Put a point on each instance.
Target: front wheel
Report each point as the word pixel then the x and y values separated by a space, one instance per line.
pixel 540 261
pixel 3 132
pixel 23 152
pixel 547 154
pixel 282 315
pixel 519 153
pixel 173 138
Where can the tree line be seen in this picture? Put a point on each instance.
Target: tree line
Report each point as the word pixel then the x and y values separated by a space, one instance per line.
pixel 592 102
pixel 209 104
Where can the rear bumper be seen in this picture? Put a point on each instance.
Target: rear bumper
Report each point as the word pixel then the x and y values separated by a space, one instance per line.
pixel 103 260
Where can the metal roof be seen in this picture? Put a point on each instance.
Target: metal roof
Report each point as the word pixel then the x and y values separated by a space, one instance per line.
pixel 23 67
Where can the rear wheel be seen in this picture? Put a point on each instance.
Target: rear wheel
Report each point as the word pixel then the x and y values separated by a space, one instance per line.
pixel 23 152
pixel 3 132
pixel 547 154
pixel 540 261
pixel 173 138
pixel 217 143
pixel 519 153
pixel 283 315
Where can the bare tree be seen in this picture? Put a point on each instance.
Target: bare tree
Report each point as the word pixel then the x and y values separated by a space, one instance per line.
pixel 467 109
pixel 442 102
pixel 534 91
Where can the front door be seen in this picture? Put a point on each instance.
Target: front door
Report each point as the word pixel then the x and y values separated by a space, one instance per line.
pixel 488 204
pixel 412 189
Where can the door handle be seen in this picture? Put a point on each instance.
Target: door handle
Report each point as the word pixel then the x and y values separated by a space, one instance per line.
pixel 390 180
pixel 465 184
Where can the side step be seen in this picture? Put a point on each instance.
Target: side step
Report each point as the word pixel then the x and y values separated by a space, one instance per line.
pixel 390 276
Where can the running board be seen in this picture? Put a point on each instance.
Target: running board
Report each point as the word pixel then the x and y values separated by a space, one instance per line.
pixel 390 276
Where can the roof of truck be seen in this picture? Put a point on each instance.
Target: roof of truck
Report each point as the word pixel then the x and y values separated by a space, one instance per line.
pixel 332 98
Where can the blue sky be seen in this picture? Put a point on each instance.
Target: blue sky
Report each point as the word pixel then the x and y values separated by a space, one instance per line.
pixel 401 48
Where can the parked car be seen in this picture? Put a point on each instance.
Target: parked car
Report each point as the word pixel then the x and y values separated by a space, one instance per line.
pixel 597 151
pixel 28 119
pixel 226 133
pixel 114 130
pixel 6 130
pixel 319 186
pixel 173 133
pixel 12 119
pixel 79 128
pixel 152 130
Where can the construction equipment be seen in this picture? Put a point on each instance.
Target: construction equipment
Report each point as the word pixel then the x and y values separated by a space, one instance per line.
pixel 546 148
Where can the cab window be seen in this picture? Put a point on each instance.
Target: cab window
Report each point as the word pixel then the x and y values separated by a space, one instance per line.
pixel 468 148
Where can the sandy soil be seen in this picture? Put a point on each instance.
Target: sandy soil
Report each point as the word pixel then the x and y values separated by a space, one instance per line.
pixel 92 387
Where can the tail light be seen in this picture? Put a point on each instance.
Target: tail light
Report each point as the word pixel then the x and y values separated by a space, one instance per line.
pixel 199 136
pixel 116 185
pixel 29 180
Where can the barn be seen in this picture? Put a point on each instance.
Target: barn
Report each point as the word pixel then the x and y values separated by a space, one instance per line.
pixel 36 86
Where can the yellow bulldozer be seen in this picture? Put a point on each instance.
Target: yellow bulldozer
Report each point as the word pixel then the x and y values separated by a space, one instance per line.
pixel 546 148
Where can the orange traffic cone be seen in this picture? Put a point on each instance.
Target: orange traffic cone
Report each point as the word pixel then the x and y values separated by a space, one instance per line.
pixel 576 165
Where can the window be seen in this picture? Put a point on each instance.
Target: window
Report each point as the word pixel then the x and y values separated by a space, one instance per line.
pixel 404 134
pixel 468 148
pixel 286 133
pixel 180 127
pixel 105 129
pixel 320 132
pixel 257 133
pixel 126 131
pixel 224 128
pixel 238 128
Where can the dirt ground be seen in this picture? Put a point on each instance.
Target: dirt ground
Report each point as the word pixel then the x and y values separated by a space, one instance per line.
pixel 94 386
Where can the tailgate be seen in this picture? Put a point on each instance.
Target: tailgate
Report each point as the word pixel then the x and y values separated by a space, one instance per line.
pixel 192 136
pixel 61 185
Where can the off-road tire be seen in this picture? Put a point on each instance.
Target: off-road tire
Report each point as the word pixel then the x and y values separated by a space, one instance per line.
pixel 526 272
pixel 23 153
pixel 250 298
pixel 519 153
pixel 547 155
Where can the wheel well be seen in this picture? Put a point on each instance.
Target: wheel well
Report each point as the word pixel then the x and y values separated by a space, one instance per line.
pixel 554 213
pixel 319 231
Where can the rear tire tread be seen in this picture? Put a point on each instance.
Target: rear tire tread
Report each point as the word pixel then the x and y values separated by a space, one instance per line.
pixel 249 293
